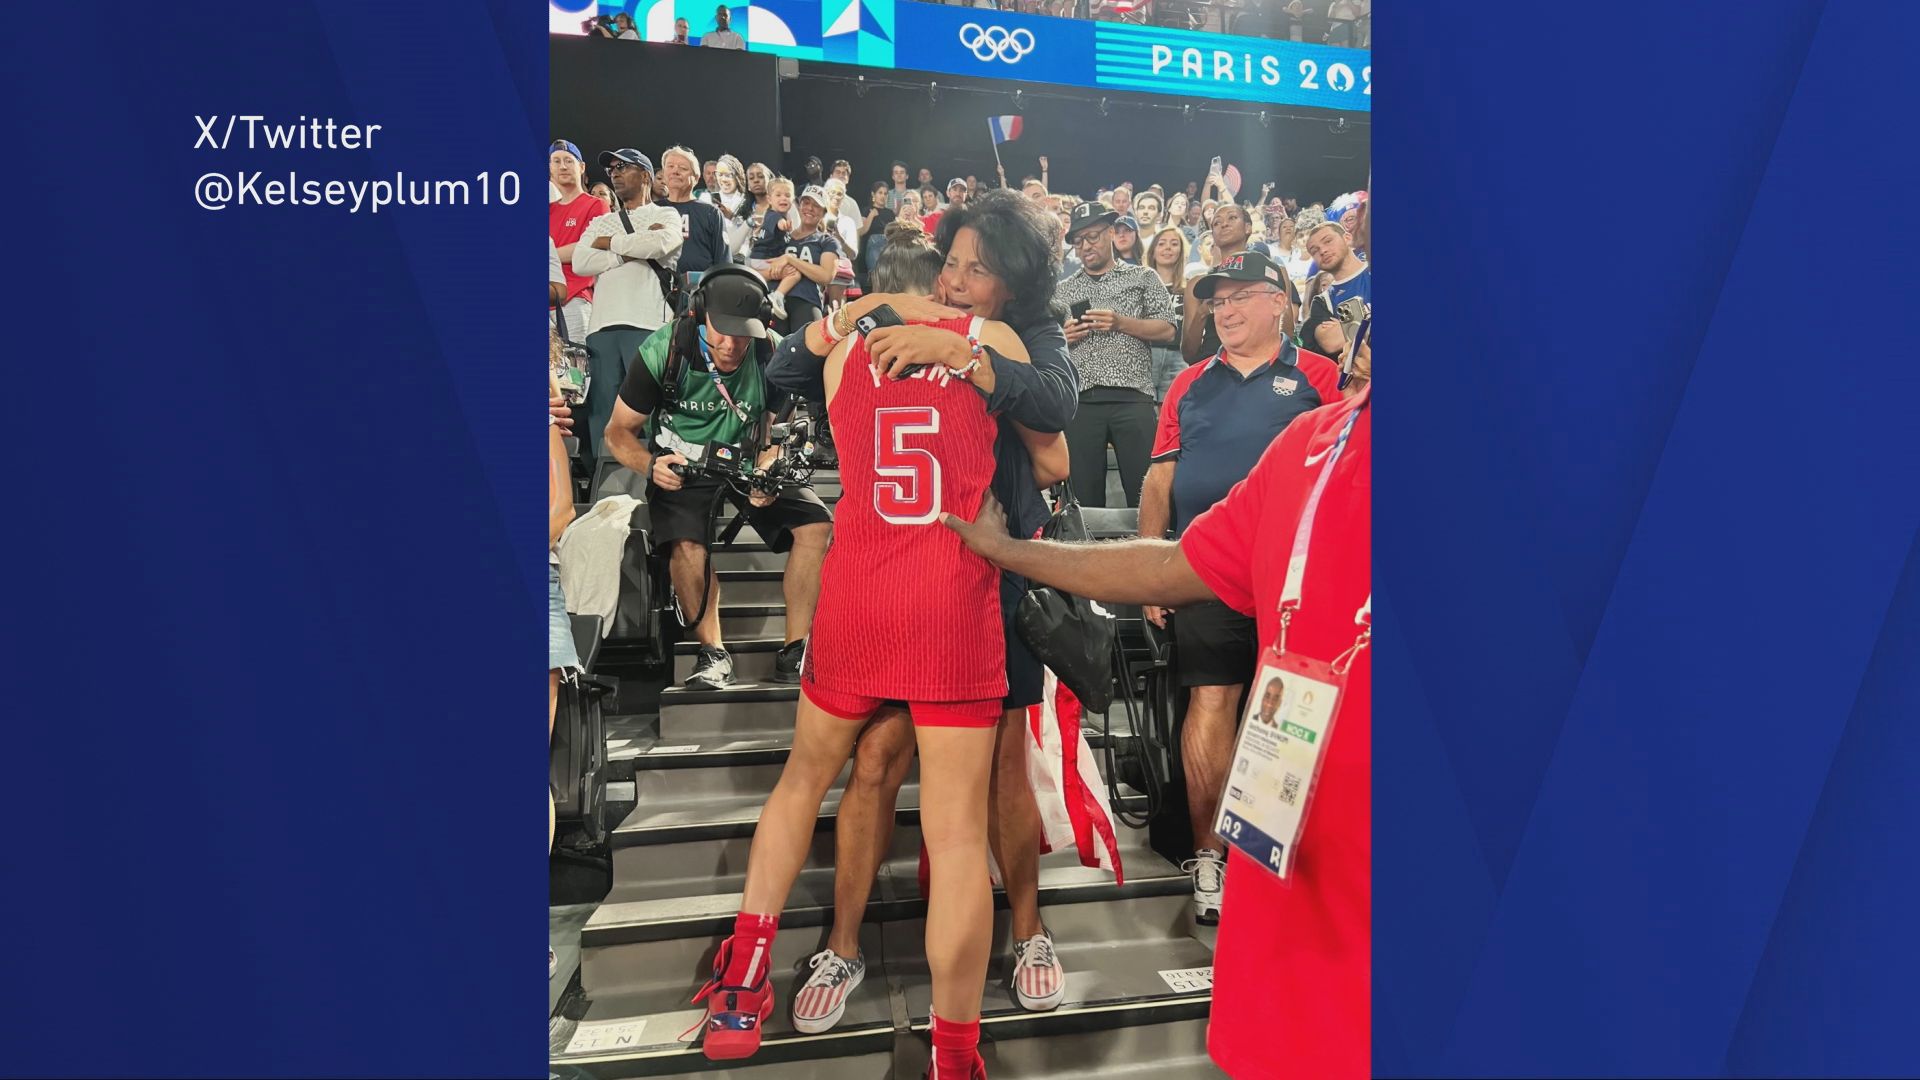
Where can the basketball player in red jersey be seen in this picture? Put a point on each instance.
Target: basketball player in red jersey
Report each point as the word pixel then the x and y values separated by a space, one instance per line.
pixel 910 450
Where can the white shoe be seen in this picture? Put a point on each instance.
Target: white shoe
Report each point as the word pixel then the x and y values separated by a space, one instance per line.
pixel 1209 870
pixel 1039 982
pixel 822 1001
pixel 779 301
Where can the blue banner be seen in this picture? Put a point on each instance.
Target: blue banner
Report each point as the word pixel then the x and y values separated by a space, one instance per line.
pixel 1165 61
pixel 914 36
pixel 993 44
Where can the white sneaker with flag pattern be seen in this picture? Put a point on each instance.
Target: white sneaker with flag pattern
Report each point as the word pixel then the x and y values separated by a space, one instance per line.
pixel 822 1001
pixel 1039 982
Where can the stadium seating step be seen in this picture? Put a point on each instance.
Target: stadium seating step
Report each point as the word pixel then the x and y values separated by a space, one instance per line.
pixel 1157 1051
pixel 694 889
pixel 637 999
pixel 1176 1051
pixel 739 621
pixel 750 587
pixel 691 715
pixel 748 555
pixel 1130 962
pixel 752 657
pixel 708 804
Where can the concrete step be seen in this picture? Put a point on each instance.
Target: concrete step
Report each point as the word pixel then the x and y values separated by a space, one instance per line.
pixel 692 889
pixel 639 995
pixel 742 621
pixel 750 587
pixel 752 657
pixel 695 715
pixel 1114 952
pixel 681 805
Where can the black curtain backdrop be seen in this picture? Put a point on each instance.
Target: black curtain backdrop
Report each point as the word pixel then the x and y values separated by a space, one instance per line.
pixel 609 94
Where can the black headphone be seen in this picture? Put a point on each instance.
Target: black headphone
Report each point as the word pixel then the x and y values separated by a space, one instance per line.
pixel 683 346
pixel 697 305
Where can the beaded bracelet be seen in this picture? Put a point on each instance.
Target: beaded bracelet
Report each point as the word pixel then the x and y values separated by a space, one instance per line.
pixel 976 353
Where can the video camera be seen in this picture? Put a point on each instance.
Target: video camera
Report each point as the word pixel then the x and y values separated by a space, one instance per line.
pixel 733 464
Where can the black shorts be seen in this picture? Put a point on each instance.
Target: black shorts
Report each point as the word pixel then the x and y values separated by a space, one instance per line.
pixel 1025 677
pixel 682 515
pixel 1216 645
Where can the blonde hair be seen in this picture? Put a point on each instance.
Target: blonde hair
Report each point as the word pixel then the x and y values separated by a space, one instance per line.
pixel 777 183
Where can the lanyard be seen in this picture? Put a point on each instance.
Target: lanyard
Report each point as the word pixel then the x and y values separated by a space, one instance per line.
pixel 1303 533
pixel 714 374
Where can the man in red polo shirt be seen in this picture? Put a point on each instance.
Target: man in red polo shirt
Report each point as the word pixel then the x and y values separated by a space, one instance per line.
pixel 1314 930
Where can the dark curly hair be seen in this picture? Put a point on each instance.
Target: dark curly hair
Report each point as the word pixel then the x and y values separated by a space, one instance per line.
pixel 1019 243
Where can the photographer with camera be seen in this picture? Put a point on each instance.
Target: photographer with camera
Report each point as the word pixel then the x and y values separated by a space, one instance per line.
pixel 694 410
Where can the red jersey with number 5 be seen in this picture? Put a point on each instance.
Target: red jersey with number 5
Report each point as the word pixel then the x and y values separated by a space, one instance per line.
pixel 906 611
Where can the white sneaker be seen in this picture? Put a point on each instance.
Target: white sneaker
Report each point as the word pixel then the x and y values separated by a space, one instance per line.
pixel 822 1001
pixel 1209 870
pixel 779 301
pixel 1039 982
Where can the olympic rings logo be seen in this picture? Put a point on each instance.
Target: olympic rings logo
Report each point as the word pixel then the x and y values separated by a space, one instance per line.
pixel 996 42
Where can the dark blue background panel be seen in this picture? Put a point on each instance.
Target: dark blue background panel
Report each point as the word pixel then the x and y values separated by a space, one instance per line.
pixel 276 672
pixel 1647 518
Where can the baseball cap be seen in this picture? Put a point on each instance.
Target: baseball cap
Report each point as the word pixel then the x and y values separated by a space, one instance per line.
pixel 1126 221
pixel 1089 214
pixel 817 193
pixel 1246 266
pixel 736 301
pixel 628 155
pixel 955 182
pixel 562 144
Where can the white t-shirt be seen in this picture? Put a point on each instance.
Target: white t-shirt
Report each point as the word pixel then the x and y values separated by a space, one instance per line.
pixel 626 291
pixel 723 39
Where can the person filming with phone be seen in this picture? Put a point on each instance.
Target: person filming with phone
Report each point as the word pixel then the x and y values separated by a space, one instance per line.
pixel 1118 312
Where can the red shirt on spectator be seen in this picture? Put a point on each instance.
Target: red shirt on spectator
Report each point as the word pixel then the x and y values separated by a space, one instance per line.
pixel 565 222
pixel 1291 989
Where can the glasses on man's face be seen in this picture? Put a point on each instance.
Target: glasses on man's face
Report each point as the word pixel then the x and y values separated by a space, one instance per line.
pixel 1237 300
pixel 1092 237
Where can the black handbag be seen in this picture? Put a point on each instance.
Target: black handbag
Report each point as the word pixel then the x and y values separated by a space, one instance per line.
pixel 1069 634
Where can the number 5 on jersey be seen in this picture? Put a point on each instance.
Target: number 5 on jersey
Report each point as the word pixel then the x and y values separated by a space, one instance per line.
pixel 908 492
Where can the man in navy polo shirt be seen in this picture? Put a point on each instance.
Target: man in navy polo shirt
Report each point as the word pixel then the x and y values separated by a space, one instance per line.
pixel 1220 415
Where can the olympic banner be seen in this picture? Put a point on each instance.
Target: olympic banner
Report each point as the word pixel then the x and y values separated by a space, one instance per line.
pixel 989 44
pixel 949 40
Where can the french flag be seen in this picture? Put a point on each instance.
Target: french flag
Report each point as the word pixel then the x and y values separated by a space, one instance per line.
pixel 1004 128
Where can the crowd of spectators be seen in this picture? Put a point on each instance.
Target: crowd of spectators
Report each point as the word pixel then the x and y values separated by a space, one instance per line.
pixel 1130 252
pixel 1347 23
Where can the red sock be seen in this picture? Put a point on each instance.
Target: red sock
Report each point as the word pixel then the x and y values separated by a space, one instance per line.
pixel 955 1048
pixel 749 952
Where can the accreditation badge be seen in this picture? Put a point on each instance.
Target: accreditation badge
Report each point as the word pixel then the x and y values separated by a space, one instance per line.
pixel 1289 720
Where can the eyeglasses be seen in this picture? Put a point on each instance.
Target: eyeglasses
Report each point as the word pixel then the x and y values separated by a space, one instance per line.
pixel 1091 236
pixel 1238 300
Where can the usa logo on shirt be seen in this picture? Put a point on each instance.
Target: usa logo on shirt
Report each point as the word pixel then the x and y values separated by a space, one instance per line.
pixel 1234 262
pixel 1284 386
